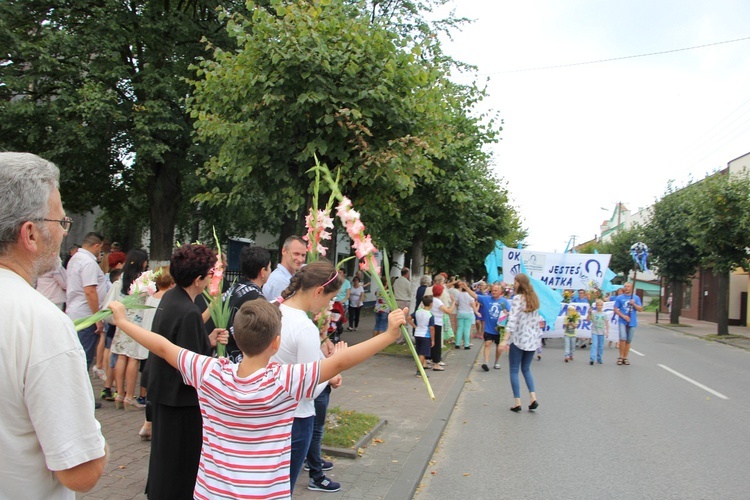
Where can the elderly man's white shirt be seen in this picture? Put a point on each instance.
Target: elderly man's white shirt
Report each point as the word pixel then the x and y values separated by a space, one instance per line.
pixel 47 412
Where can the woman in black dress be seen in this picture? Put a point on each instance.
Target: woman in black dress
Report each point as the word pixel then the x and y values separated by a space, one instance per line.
pixel 177 430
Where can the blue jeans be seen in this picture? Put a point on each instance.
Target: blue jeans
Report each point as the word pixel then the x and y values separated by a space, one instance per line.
pixel 570 346
pixel 302 431
pixel 520 359
pixel 89 341
pixel 314 456
pixel 597 347
pixel 381 321
pixel 626 332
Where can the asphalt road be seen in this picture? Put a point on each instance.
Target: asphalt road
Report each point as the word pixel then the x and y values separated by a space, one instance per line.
pixel 671 425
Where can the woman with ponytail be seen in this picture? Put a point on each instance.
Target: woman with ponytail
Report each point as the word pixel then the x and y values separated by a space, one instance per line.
pixel 311 289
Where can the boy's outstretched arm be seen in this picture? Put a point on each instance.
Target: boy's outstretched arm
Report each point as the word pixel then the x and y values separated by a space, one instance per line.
pixel 150 340
pixel 353 355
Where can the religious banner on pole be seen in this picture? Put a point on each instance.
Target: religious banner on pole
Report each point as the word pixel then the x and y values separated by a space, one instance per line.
pixel 557 270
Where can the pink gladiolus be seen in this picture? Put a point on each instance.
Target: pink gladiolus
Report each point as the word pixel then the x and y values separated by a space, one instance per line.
pixel 214 286
pixel 144 284
pixel 343 208
pixel 316 231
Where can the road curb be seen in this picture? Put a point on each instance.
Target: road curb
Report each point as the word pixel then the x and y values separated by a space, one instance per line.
pixel 408 480
pixel 353 451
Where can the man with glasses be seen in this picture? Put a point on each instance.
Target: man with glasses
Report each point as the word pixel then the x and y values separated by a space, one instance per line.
pixel 51 443
pixel 86 291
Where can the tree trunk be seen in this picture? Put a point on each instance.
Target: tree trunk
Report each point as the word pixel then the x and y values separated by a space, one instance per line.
pixel 722 303
pixel 417 256
pixel 290 225
pixel 164 197
pixel 674 315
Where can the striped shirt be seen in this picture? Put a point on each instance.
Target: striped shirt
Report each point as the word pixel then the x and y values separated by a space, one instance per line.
pixel 247 424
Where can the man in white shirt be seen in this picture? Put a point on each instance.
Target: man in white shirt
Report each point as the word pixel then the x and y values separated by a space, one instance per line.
pixel 51 443
pixel 293 255
pixel 86 291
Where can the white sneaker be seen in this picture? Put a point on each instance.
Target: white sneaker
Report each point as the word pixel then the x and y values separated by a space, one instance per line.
pixel 100 373
pixel 441 363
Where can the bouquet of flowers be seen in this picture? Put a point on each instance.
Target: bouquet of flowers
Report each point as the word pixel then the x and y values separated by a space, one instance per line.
pixel 573 318
pixel 365 251
pixel 143 286
pixel 567 295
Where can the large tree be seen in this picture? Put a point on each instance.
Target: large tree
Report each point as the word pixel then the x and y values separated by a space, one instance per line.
pixel 370 101
pixel 721 230
pixel 669 238
pixel 99 88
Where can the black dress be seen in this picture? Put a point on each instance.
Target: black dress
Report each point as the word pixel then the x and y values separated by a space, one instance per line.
pixel 177 432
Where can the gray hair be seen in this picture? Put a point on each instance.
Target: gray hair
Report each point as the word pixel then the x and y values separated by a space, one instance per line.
pixel 26 183
pixel 425 280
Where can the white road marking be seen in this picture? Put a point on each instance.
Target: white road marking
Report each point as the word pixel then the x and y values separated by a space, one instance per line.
pixel 638 353
pixel 697 384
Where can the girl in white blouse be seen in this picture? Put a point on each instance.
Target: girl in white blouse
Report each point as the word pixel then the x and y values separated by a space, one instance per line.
pixel 521 339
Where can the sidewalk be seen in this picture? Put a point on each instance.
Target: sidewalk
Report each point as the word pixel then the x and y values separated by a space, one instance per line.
pixel 739 336
pixel 389 467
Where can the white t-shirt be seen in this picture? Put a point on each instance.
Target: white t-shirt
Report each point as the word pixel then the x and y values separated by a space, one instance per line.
pixel 83 270
pixel 424 320
pixel 247 424
pixel 355 295
pixel 436 312
pixel 465 301
pixel 47 410
pixel 300 343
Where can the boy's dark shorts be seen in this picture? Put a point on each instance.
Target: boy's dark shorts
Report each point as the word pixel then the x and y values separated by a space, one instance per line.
pixel 423 346
pixel 488 337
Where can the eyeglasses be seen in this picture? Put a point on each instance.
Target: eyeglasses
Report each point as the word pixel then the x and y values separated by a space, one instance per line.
pixel 65 223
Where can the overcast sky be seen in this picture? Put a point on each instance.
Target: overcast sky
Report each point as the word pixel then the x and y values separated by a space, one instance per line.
pixel 580 138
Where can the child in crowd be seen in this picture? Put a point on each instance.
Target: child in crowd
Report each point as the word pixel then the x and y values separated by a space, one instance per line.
pixel 424 330
pixel 599 330
pixel 248 407
pixel 571 323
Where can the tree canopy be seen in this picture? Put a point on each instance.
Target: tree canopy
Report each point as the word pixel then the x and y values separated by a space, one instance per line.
pixel 99 88
pixel 322 78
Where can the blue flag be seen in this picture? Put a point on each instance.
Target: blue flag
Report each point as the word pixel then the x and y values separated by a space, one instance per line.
pixel 494 260
pixel 549 298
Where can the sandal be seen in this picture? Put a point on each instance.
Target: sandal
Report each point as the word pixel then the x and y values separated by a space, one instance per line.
pixel 625 361
pixel 619 361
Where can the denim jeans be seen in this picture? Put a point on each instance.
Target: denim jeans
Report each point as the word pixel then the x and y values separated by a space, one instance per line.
pixel 626 332
pixel 520 359
pixel 302 431
pixel 89 341
pixel 570 346
pixel 314 455
pixel 597 347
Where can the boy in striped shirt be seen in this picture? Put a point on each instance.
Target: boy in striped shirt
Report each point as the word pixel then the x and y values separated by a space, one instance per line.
pixel 248 408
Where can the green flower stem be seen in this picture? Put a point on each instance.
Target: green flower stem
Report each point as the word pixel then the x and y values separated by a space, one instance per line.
pixel 390 299
pixel 388 296
pixel 130 302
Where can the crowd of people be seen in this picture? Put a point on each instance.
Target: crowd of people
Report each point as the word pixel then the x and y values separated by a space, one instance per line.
pixel 241 425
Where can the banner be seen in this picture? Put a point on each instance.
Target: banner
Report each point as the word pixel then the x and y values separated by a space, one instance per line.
pixel 558 270
pixel 583 330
